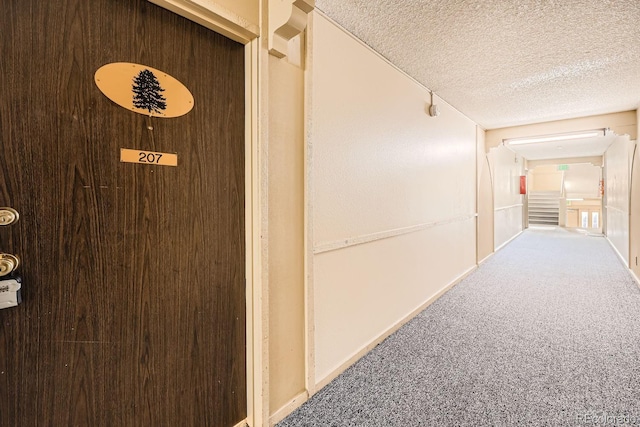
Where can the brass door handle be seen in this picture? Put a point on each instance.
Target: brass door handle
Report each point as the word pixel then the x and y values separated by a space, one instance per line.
pixel 8 216
pixel 8 264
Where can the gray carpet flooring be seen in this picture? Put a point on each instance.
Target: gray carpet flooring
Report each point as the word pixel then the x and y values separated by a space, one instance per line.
pixel 545 332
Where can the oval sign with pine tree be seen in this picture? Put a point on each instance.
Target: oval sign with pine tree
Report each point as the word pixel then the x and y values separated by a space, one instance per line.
pixel 144 90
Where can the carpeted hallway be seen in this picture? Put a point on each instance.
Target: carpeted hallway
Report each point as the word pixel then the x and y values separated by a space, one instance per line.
pixel 546 332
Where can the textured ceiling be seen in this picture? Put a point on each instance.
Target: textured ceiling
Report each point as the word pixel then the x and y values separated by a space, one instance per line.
pixel 508 62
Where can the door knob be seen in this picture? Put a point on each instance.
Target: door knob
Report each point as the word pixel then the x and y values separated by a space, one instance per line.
pixel 8 264
pixel 8 216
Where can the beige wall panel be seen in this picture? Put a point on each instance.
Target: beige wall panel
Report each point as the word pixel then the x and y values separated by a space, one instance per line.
pixel 485 201
pixel 582 181
pixel 634 243
pixel 618 232
pixel 546 178
pixel 286 233
pixel 394 186
pixel 508 220
pixel 506 176
pixel 362 291
pixel 246 9
pixel 572 217
pixel 508 224
pixel 379 161
pixel 617 180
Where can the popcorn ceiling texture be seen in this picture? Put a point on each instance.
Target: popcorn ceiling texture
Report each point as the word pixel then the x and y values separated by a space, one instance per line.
pixel 505 62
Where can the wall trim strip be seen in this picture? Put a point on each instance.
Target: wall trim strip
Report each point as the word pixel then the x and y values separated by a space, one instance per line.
pixel 359 240
pixel 613 208
pixel 520 205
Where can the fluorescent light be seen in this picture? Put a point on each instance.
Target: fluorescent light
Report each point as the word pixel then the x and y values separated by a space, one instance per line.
pixel 553 138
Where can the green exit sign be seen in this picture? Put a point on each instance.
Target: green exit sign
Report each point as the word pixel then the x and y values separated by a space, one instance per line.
pixel 563 167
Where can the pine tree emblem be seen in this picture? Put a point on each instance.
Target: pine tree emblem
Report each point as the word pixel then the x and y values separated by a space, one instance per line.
pixel 147 93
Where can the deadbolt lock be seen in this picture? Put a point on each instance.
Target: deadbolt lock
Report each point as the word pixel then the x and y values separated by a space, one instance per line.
pixel 8 216
pixel 8 264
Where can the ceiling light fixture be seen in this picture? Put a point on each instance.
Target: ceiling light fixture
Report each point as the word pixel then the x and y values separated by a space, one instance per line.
pixel 557 137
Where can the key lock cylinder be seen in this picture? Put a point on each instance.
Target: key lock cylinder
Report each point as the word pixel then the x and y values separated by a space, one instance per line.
pixel 10 284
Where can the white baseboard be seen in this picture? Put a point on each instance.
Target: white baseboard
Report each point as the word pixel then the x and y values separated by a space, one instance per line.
pixel 635 277
pixel 242 424
pixel 366 349
pixel 508 241
pixel 485 258
pixel 500 247
pixel 288 408
pixel 624 261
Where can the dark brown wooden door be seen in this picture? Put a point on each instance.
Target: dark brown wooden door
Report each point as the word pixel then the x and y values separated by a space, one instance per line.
pixel 133 308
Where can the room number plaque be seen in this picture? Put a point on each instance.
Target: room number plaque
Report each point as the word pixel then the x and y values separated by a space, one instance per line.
pixel 148 157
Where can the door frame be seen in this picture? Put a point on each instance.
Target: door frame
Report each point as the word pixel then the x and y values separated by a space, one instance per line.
pixel 234 27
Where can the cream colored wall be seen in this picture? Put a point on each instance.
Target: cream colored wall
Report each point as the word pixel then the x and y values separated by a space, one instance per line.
pixel 246 9
pixel 545 178
pixel 392 198
pixel 506 169
pixel 634 218
pixel 286 233
pixel 617 179
pixel 485 200
pixel 582 181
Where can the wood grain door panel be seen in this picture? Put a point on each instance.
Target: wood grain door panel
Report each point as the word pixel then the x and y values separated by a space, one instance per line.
pixel 133 275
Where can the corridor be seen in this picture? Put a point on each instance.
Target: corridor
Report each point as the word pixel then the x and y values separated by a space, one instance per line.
pixel 545 332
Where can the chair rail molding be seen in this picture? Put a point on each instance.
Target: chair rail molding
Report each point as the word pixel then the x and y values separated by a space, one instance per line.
pixel 287 19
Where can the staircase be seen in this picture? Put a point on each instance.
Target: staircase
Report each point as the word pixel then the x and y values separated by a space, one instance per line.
pixel 544 207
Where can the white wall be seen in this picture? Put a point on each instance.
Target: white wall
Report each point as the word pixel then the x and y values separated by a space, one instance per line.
pixel 506 169
pixel 545 178
pixel 392 196
pixel 582 181
pixel 617 163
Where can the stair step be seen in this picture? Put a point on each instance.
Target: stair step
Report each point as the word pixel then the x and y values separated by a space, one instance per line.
pixel 544 207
